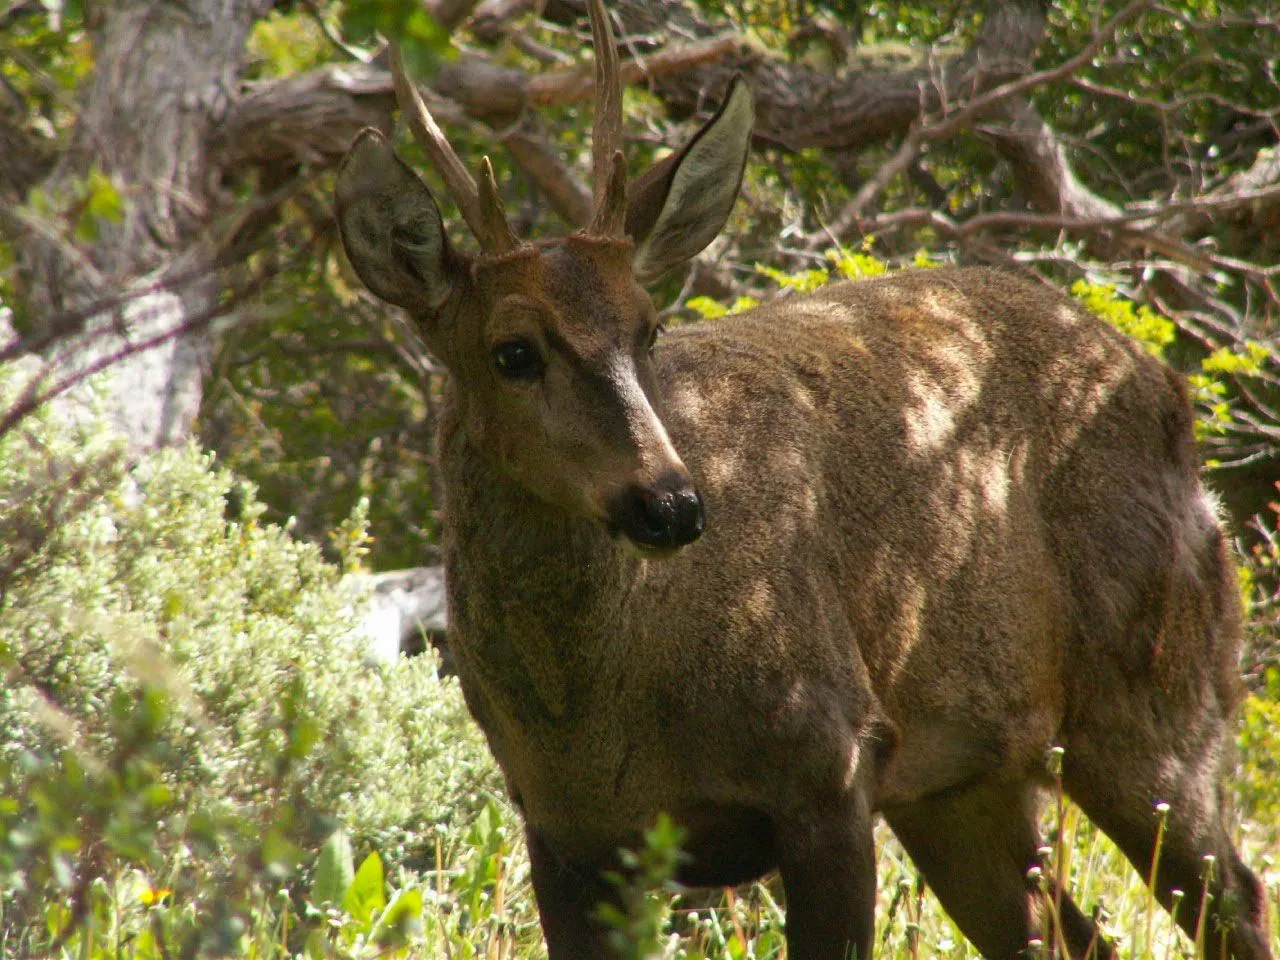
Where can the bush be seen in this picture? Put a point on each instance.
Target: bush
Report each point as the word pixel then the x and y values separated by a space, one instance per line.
pixel 186 713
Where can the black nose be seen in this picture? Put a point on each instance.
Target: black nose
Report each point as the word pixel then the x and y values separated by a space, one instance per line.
pixel 663 516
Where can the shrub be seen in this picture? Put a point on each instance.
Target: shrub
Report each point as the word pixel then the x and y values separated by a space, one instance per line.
pixel 186 711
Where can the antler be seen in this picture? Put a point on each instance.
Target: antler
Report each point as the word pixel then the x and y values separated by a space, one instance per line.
pixel 480 206
pixel 608 168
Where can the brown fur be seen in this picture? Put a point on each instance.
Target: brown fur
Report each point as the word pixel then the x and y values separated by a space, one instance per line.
pixel 952 520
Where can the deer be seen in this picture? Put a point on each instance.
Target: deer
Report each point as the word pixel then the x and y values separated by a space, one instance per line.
pixel 869 552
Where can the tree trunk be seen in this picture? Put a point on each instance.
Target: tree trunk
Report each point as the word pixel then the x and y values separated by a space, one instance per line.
pixel 163 75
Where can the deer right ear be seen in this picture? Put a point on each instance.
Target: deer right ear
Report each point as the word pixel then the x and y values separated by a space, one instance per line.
pixel 679 206
pixel 391 227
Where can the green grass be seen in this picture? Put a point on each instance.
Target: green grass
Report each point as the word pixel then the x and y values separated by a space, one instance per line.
pixel 476 902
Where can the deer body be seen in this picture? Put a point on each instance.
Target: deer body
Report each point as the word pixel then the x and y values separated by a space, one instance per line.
pixel 943 509
pixel 874 549
pixel 877 552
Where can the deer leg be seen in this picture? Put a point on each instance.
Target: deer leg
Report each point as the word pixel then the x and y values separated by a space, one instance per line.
pixel 1118 784
pixel 827 861
pixel 975 845
pixel 567 899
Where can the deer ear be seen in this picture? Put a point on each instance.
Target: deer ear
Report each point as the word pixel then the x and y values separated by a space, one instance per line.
pixel 391 227
pixel 679 206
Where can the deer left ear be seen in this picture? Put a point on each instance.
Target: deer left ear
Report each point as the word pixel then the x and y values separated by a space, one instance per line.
pixel 391 227
pixel 679 206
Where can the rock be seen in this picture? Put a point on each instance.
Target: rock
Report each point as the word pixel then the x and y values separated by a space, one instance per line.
pixel 405 612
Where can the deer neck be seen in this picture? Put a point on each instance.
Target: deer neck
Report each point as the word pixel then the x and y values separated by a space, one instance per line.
pixel 536 595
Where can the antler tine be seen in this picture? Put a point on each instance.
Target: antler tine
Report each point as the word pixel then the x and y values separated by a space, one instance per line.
pixel 483 214
pixel 606 139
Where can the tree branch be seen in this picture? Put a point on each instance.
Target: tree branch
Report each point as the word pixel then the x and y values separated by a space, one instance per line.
pixel 963 117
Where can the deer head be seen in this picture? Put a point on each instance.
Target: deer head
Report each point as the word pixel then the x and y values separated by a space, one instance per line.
pixel 550 344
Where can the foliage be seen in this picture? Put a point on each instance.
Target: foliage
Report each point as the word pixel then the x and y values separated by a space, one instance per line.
pixel 1138 321
pixel 284 44
pixel 1260 743
pixel 187 712
pixel 1198 61
pixel 1261 587
pixel 637 921
pixel 310 404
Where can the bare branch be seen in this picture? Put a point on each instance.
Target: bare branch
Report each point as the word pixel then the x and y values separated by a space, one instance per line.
pixel 972 110
pixel 570 86
pixel 53 380
pixel 541 163
pixel 450 14
pixel 963 117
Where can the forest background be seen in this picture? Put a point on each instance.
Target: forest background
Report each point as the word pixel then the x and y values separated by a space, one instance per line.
pixel 206 425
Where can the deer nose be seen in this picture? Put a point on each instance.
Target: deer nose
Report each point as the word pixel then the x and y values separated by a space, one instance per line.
pixel 663 516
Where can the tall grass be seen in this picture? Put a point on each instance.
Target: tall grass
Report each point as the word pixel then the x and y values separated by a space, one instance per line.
pixel 476 901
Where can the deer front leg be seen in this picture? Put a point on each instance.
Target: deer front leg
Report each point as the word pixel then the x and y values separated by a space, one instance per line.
pixel 567 898
pixel 827 860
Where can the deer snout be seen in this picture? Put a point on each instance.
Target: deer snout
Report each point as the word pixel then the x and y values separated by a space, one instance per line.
pixel 662 516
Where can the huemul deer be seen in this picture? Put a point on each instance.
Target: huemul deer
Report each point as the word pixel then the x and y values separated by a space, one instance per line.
pixel 872 550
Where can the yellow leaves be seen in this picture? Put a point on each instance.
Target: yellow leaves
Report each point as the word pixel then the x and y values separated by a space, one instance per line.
pixel 1140 322
pixel 1244 358
pixel 848 264
pixel 709 309
pixel 860 264
pixel 803 281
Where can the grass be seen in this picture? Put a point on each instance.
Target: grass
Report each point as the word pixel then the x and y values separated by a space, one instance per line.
pixel 475 901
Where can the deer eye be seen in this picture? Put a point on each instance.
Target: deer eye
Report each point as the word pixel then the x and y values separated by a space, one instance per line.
pixel 517 360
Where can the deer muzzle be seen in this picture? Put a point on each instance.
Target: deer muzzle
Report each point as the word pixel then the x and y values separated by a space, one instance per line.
pixel 660 517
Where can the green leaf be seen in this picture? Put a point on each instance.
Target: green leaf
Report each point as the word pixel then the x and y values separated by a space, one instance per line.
pixel 335 870
pixel 401 920
pixel 365 898
pixel 1154 331
pixel 101 201
pixel 856 265
pixel 804 281
pixel 423 42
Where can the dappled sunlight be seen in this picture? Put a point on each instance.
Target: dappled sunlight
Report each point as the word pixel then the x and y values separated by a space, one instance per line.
pixel 949 381
pixel 721 468
pixel 1080 383
pixel 899 597
pixel 758 603
pixel 931 421
pixel 687 401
